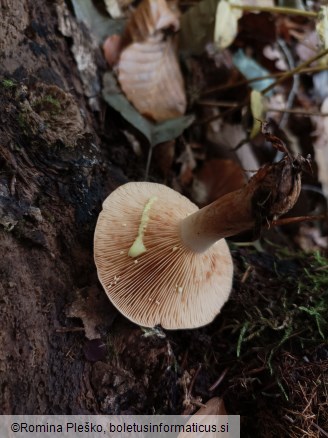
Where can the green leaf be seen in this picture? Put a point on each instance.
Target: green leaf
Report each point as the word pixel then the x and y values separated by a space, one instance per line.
pixel 251 69
pixel 154 132
pixel 100 25
pixel 257 109
pixel 197 26
pixel 294 4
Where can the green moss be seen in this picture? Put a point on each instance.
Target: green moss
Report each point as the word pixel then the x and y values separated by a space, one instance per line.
pixel 283 308
pixel 48 104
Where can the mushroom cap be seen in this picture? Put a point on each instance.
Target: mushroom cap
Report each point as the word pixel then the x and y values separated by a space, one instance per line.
pixel 168 284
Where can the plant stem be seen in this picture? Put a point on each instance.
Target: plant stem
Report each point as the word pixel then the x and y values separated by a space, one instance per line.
pixel 297 69
pixel 296 111
pixel 275 10
pixel 258 79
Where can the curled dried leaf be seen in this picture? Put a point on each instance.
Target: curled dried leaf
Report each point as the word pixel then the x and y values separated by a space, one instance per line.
pixel 150 77
pixel 112 49
pixel 207 415
pixel 151 17
pixel 276 188
pixel 216 178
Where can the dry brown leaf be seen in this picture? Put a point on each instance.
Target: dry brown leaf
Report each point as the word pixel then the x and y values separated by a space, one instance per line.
pixel 309 239
pixel 188 164
pixel 150 77
pixel 151 17
pixel 204 416
pixel 229 136
pixel 215 179
pixel 112 48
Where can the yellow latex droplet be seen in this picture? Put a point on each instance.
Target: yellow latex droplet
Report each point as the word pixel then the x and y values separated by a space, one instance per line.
pixel 138 246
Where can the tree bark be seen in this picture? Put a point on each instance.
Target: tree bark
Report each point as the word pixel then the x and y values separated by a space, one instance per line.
pixel 52 183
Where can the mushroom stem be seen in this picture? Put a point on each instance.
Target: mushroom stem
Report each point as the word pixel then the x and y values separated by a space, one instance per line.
pixel 272 191
pixel 225 217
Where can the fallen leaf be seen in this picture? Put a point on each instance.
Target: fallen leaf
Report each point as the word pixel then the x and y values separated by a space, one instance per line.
pixel 207 415
pixel 163 156
pixel 151 17
pixel 150 77
pixel 216 178
pixel 226 23
pixel 310 239
pixel 100 25
pixel 228 136
pixel 112 49
pixel 257 109
pixel 148 69
pixel 188 164
pixel 251 69
pixel 155 133
pixel 197 26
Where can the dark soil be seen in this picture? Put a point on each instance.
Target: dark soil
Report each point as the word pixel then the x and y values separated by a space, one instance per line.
pixel 269 354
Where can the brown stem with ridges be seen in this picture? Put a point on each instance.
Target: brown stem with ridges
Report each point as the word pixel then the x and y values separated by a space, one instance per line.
pixel 272 191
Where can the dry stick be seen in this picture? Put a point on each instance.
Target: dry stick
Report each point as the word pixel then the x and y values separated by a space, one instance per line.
pixel 275 10
pixel 324 433
pixel 298 112
pixel 272 109
pixel 258 79
pixel 225 113
pixel 297 69
pixel 219 380
pixel 295 220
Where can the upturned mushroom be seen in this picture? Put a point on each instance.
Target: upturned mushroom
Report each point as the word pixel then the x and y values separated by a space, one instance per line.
pixel 163 261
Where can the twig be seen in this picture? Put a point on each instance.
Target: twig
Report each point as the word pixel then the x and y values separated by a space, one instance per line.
pixel 69 329
pixel 295 70
pixel 246 274
pixel 260 78
pixel 296 80
pixel 296 111
pixel 225 113
pixel 295 220
pixel 219 380
pixel 275 10
pixel 324 433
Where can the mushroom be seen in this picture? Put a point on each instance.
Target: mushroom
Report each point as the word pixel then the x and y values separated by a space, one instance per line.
pixel 163 261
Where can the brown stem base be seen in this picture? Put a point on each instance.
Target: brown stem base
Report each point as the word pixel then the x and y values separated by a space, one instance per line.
pixel 271 192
